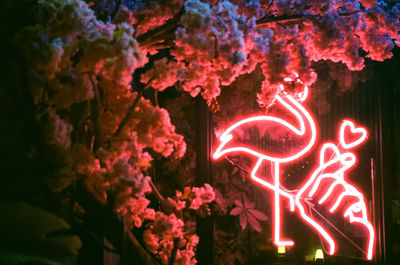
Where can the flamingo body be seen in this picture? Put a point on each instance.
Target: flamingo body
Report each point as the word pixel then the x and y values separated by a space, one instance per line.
pixel 305 131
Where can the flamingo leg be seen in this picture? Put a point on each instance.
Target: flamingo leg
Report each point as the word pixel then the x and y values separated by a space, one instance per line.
pixel 277 193
pixel 277 210
pixel 268 185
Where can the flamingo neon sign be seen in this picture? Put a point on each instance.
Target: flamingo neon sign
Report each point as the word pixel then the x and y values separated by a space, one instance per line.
pixel 327 183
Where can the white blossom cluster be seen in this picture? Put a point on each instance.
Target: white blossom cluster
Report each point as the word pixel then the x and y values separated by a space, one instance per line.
pixel 216 43
pixel 148 15
pixel 160 238
pixel 80 79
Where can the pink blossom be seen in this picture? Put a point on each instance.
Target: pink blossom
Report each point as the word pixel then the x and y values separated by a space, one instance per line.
pixel 202 196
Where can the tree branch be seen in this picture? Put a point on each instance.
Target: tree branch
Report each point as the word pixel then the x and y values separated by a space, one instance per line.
pixel 161 33
pixel 165 204
pixel 129 113
pixel 262 22
pixel 145 256
pixel 173 252
pixel 156 97
pixel 270 4
pixel 96 112
pixel 116 10
pixel 166 32
pixel 103 221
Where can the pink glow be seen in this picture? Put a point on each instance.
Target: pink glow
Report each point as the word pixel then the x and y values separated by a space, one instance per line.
pixel 302 116
pixel 343 162
pixel 277 211
pixel 269 185
pixel 332 168
pixel 361 208
pixel 277 191
pixel 347 128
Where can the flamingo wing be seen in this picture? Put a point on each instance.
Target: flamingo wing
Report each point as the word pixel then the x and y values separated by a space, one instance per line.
pixel 262 136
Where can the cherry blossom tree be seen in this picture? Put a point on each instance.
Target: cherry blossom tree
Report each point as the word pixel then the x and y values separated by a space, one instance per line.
pixel 97 96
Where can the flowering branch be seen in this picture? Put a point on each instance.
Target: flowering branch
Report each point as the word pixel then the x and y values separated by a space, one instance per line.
pixel 161 33
pixel 127 115
pixel 110 225
pixel 143 253
pixel 264 21
pixel 165 204
pixel 96 113
pixel 173 252
pixel 167 31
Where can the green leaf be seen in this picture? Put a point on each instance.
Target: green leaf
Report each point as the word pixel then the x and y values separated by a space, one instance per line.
pixel 15 258
pixel 34 231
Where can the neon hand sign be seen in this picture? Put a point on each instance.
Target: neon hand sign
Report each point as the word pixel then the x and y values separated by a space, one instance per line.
pixel 328 183
pixel 329 178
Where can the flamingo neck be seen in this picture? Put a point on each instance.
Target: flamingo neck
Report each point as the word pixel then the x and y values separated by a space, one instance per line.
pixel 305 120
pixel 306 128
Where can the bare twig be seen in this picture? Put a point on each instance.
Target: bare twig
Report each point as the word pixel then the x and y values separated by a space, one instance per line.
pixel 236 165
pixel 142 252
pixel 284 18
pixel 156 97
pixel 216 50
pixel 127 116
pixel 156 192
pixel 174 251
pixel 96 91
pixel 167 206
pixel 270 4
pixel 96 113
pixel 129 113
pixel 222 22
pixel 116 10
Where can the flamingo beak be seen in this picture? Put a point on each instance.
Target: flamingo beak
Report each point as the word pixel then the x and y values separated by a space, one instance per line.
pixel 216 155
pixel 224 140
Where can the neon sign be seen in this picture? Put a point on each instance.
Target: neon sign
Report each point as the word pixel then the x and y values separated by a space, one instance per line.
pixel 327 183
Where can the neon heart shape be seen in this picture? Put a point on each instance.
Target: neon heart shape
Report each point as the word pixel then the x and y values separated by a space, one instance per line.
pixel 350 136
